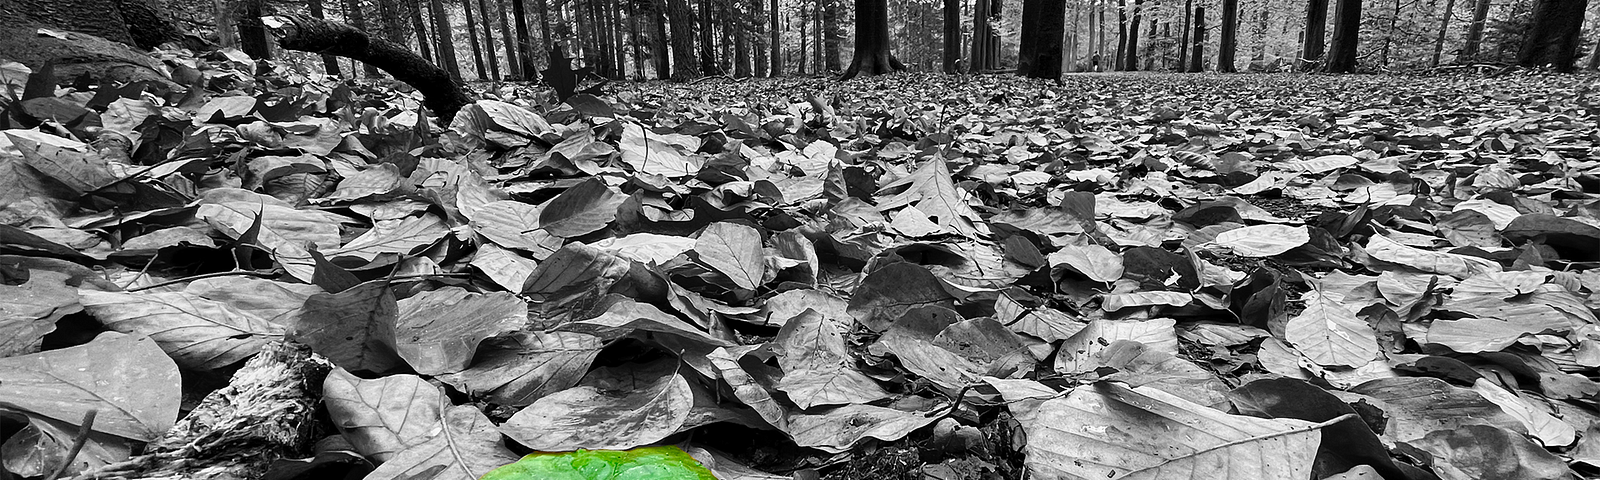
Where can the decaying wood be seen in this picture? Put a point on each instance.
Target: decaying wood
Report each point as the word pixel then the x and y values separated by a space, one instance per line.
pixel 266 412
pixel 442 95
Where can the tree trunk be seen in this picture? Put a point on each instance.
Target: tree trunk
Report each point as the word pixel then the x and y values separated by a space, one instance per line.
pixel 831 35
pixel 441 94
pixel 1230 36
pixel 488 39
pixel 1132 62
pixel 1183 36
pixel 634 39
pixel 1474 40
pixel 223 13
pixel 358 19
pixel 1197 56
pixel 1039 54
pixel 1122 36
pixel 775 43
pixel 330 63
pixel 525 65
pixel 1346 36
pixel 546 41
pixel 1552 41
pixel 1444 26
pixel 982 34
pixel 805 27
pixel 1312 46
pixel 447 44
pixel 419 27
pixel 684 66
pixel 1594 59
pixel 472 37
pixel 659 41
pixel 758 22
pixel 513 58
pixel 872 56
pixel 1150 40
pixel 741 47
pixel 708 56
pixel 952 36
pixel 252 34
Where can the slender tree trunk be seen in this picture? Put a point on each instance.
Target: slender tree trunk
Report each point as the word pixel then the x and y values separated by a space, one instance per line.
pixel 488 39
pixel 1132 63
pixel 513 58
pixel 419 26
pixel 330 63
pixel 546 39
pixel 1444 27
pixel 225 14
pixel 817 47
pixel 952 36
pixel 1312 46
pixel 1474 40
pixel 519 15
pixel 634 39
pixel 1197 56
pixel 472 35
pixel 252 34
pixel 775 43
pixel 1183 40
pixel 727 58
pixel 708 56
pixel 805 39
pixel 996 8
pixel 1150 40
pixel 1100 45
pixel 741 46
pixel 872 56
pixel 1346 36
pixel 981 34
pixel 831 35
pixel 758 37
pixel 1552 41
pixel 1230 36
pixel 1166 53
pixel 684 66
pixel 1122 35
pixel 659 41
pixel 447 47
pixel 1072 39
pixel 359 20
pixel 1039 53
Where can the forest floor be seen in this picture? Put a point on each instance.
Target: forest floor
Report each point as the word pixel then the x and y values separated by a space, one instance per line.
pixel 899 277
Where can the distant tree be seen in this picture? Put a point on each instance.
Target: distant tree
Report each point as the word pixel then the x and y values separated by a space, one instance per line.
pixel 1473 44
pixel 442 32
pixel 872 56
pixel 1229 43
pixel 1346 37
pixel 1312 47
pixel 952 36
pixel 419 27
pixel 1197 56
pixel 1043 26
pixel 985 40
pixel 1553 39
pixel 658 40
pixel 358 18
pixel 1121 58
pixel 681 17
pixel 252 34
pixel 1444 28
pixel 775 42
pixel 831 35
pixel 472 38
pixel 1132 62
pixel 513 59
pixel 1183 33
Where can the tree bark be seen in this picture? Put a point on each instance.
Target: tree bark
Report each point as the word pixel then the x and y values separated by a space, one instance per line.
pixel 1480 16
pixel 265 413
pixel 419 26
pixel 447 44
pixel 659 41
pixel 684 66
pixel 758 22
pixel 830 36
pixel 741 46
pixel 1312 46
pixel 952 36
pixel 1122 36
pixel 1552 41
pixel 224 14
pixel 252 35
pixel 519 16
pixel 330 63
pixel 1444 26
pixel 1197 56
pixel 513 58
pixel 872 56
pixel 1039 54
pixel 1230 36
pixel 775 43
pixel 488 39
pixel 1183 34
pixel 1346 37
pixel 358 19
pixel 440 93
pixel 982 34
pixel 1132 62
pixel 472 38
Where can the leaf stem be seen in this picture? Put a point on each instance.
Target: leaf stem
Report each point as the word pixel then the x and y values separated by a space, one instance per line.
pixel 86 427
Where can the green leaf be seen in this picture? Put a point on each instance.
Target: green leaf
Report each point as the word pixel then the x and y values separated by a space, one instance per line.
pixel 648 463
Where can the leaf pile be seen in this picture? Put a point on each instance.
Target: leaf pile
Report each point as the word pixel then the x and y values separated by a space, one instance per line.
pixel 1146 276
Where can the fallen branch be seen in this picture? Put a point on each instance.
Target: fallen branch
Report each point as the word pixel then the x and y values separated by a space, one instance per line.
pixel 442 95
pixel 266 412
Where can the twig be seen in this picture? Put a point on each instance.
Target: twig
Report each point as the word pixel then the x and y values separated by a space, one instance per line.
pixel 229 273
pixel 77 444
